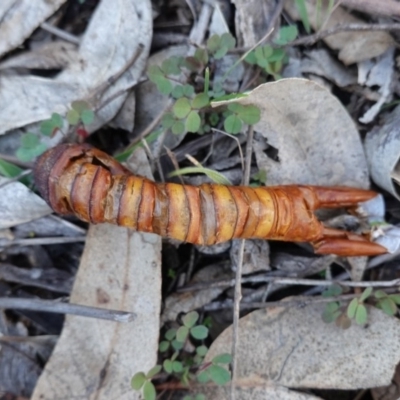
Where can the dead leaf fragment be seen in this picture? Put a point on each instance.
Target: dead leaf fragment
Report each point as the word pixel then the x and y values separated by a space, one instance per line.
pixel 353 46
pixel 293 347
pixel 26 15
pixel 382 146
pixel 13 200
pixel 107 46
pixel 316 139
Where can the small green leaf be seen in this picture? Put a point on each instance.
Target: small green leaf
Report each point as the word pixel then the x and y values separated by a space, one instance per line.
pixel 190 319
pixel 29 140
pixel 200 396
pixel 380 294
pixel 262 54
pixel 163 346
pixel 233 124
pixel 302 9
pixel 213 43
pixel 224 358
pixel 251 58
pixel 201 56
pixel 164 86
pixel 286 35
pixel 87 117
pixel 177 366
pixel 361 314
pixel 236 108
pixel 170 66
pixel 200 100
pixel 167 365
pixel 168 120
pixel 228 41
pixel 213 175
pixel 203 376
pixel 154 371
pixel 154 73
pixel 57 120
pixel 277 55
pixel 47 127
pixel 395 298
pixel 178 128
pixel 170 334
pixel 201 350
pixel 352 308
pixel 193 122
pixel 149 391
pixel 9 170
pixel 219 375
pixel 213 118
pixel 181 107
pixel 187 397
pixel 73 117
pixel 177 345
pixel 199 332
pixel 333 290
pixel 177 92
pixel 182 334
pixel 250 115
pixel 388 306
pixel 80 105
pixel 188 90
pixel 328 316
pixel 220 53
pixel 138 380
pixel 365 294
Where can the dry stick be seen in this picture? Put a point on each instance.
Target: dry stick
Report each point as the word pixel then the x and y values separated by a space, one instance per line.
pixel 311 39
pixel 238 277
pixel 41 241
pixel 16 178
pixel 60 33
pixel 65 308
pixel 289 281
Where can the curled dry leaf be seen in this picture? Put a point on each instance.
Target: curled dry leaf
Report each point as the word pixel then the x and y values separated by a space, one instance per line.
pixel 119 270
pixel 31 13
pixel 353 46
pixel 293 347
pixel 108 45
pixel 382 146
pixel 13 200
pixel 52 55
pixel 316 139
pixel 253 19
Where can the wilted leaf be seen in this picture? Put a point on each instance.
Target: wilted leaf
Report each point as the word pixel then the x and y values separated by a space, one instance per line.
pixel 309 127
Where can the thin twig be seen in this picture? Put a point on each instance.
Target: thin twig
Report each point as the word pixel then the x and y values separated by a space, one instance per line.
pixel 65 308
pixel 60 33
pixel 16 178
pixel 311 39
pixel 288 281
pixel 41 241
pixel 238 277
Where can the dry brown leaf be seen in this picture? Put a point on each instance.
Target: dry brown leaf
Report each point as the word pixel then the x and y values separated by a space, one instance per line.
pixel 13 200
pixel 293 347
pixel 388 8
pixel 252 20
pixel 120 270
pixel 107 46
pixel 382 146
pixel 52 55
pixel 26 15
pixel 353 46
pixel 317 140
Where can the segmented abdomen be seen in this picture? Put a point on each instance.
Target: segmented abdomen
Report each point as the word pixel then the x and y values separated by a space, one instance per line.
pixel 95 187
